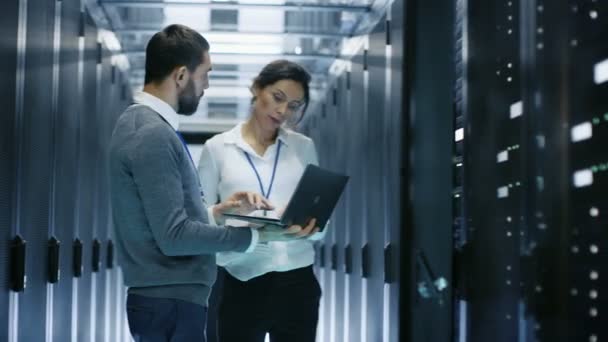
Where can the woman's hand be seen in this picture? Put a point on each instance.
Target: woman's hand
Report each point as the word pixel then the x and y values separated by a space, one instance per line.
pixel 242 203
pixel 271 232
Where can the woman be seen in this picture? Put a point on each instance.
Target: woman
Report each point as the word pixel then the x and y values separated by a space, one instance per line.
pixel 273 289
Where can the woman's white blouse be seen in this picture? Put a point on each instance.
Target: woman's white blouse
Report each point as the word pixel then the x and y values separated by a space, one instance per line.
pixel 224 170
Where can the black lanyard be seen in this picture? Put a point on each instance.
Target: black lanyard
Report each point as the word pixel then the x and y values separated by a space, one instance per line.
pixel 274 170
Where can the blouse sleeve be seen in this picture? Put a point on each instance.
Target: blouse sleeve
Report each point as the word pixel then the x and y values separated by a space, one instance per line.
pixel 210 177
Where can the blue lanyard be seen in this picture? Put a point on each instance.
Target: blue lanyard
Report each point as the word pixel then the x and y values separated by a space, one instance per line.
pixel 192 160
pixel 274 170
pixel 186 148
pixel 181 138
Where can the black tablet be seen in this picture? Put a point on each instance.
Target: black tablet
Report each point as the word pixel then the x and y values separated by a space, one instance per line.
pixel 316 196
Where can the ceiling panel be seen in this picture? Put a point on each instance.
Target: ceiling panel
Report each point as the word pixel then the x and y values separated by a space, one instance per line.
pixel 244 35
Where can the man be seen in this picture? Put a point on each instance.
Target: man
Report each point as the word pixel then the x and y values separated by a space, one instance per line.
pixel 165 241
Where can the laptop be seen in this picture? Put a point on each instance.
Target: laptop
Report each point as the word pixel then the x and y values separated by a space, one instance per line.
pixel 316 196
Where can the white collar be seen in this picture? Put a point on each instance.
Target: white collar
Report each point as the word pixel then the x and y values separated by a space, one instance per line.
pixel 161 107
pixel 235 136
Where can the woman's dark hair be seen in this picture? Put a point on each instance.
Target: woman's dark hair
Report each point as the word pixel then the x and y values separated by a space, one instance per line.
pixel 174 46
pixel 284 70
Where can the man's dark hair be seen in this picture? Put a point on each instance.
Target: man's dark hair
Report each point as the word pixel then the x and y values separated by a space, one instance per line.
pixel 174 46
pixel 285 70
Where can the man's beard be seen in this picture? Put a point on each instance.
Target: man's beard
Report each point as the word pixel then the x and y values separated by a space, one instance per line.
pixel 187 101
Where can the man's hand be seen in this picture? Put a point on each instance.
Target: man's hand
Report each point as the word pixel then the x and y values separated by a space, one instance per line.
pixel 271 232
pixel 242 203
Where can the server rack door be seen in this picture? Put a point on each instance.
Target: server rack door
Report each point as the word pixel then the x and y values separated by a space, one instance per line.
pixel 101 206
pixel 36 139
pixel 357 201
pixel 336 98
pixel 556 62
pixel 587 83
pixel 105 307
pixel 340 116
pixel 76 246
pixel 331 239
pixel 395 195
pixel 376 146
pixel 429 157
pixel 87 189
pixel 112 286
pixel 325 273
pixel 66 131
pixel 494 151
pixel 118 325
pixel 8 54
pixel 543 43
pixel 319 133
pixel 348 198
pixel 460 188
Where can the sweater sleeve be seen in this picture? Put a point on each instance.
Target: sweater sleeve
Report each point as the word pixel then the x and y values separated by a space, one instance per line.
pixel 155 163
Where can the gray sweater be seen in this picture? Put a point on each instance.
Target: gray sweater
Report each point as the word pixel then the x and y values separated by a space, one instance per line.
pixel 166 247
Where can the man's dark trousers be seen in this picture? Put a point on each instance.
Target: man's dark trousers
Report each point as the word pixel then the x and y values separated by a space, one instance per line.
pixel 165 320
